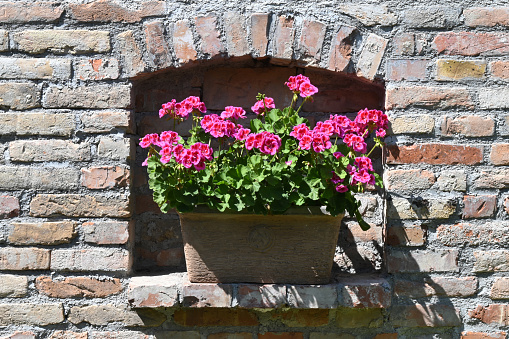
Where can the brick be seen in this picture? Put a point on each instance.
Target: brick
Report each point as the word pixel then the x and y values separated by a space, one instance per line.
pixel 493 179
pixel 482 335
pixel 414 235
pixel 214 317
pixel 283 40
pixel 320 335
pixel 428 97
pixel 95 96
pixel 356 235
pixel 432 315
pixel 39 123
pixel 409 43
pixel 499 154
pixel 206 295
pixel 69 335
pixel 491 261
pixel 405 69
pixel 506 205
pixel 20 335
pixel 314 296
pixel 386 336
pixel 409 179
pixel 311 40
pixel 436 286
pixel 104 177
pixel 281 335
pixel 452 180
pixel 401 208
pixel 79 205
pixel 225 335
pixel 454 70
pixel 183 42
pixel 154 291
pixel 102 315
pixel 145 203
pixel 61 41
pixel 261 296
pixel 21 12
pixel 492 314
pixel 206 27
pixel 236 34
pixel 48 150
pixel 483 206
pixel 19 96
pixel 130 54
pixel 157 47
pixel 134 335
pixel 77 287
pixel 435 154
pixel 432 17
pixel 412 124
pixel 341 49
pixel 27 258
pixel 106 232
pixel 109 11
pixel 301 318
pixel 114 149
pixel 9 207
pixel 500 288
pixel 31 314
pixel 371 56
pixel 499 69
pixel 365 292
pixel 504 125
pixel 105 121
pixel 96 259
pixel 492 98
pixel 359 317
pixel 259 33
pixel 13 286
pixel 42 233
pixel 469 126
pixel 4 40
pixel 37 178
pixel 370 15
pixel 401 261
pixel 37 69
pixel 471 43
pixel 97 69
pixel 486 16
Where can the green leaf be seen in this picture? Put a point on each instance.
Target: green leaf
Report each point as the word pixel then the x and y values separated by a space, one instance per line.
pixel 256 125
pixel 280 205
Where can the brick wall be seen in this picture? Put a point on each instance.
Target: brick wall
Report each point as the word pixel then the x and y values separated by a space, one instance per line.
pixel 82 247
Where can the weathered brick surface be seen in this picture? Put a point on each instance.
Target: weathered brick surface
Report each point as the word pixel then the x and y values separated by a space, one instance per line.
pixel 371 56
pixel 19 96
pixel 214 317
pixel 450 70
pixel 493 179
pixel 105 121
pixel 469 126
pixel 432 16
pixel 483 206
pixel 158 291
pixel 409 179
pixel 452 181
pixel 20 335
pixel 114 149
pixel 422 261
pixel 44 233
pixel 473 235
pixel 406 235
pixel 13 286
pixel 40 123
pixel 491 261
pixel 20 12
pixel 96 259
pixel 104 177
pixel 183 42
pixel 486 16
pixel 139 335
pixel 97 69
pixel 428 97
pixel 259 32
pixel 412 124
pixel 76 205
pixel 483 335
pixel 435 315
pixel 283 38
pixel 359 317
pixel 236 34
pixel 492 314
pixel 31 314
pixel 130 54
pixel 157 47
pixel 73 287
pixel 301 318
pixel 435 154
pixel 70 335
pixel 471 43
pixel 493 98
pixel 436 286
pixel 341 48
pixel 499 69
pixel 281 335
pixel 48 150
pixel 405 69
pixel 499 154
pixel 370 15
pixel 62 41
pixel 206 27
pixel 15 178
pixel 26 258
pixel 500 288
pixel 97 96
pixel 401 208
pixel 106 232
pixel 4 40
pixel 206 295
pixel 365 292
pixel 261 296
pixel 302 296
pixel 9 207
pixel 311 40
pixel 110 11
pixel 409 43
pixel 16 68
pixel 102 315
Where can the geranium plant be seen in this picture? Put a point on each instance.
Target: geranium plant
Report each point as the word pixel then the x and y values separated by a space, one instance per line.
pixel 276 163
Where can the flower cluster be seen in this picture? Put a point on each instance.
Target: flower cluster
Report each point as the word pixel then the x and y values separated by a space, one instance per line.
pixel 266 142
pixel 261 105
pixel 231 112
pixel 218 126
pixel 301 85
pixel 181 110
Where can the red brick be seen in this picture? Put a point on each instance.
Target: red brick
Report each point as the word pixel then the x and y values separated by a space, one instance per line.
pixel 236 34
pixel 499 154
pixel 281 335
pixel 283 40
pixel 428 97
pixel 157 47
pixel 26 258
pixel 259 32
pixel 499 69
pixel 435 154
pixel 406 235
pixel 164 258
pixel 302 318
pixel 506 205
pixel 214 317
pixel 402 69
pixel 104 177
pixel 311 39
pixel 469 126
pixel 436 286
pixel 492 314
pixel 183 42
pixel 418 315
pixel 471 43
pixel 486 16
pixel 225 335
pixel 106 232
pixel 145 203
pixel 483 206
pixel 341 49
pixel 110 11
pixel 206 27
pixel 42 233
pixel 9 207
pixel 356 235
pixel 482 335
pixel 73 287
pixel 22 12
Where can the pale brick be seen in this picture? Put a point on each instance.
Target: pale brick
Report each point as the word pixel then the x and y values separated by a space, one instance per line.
pixel 23 12
pixel 259 32
pixel 400 208
pixel 69 335
pixel 432 16
pixel 414 235
pixel 31 314
pixel 412 124
pixel 48 150
pixel 499 69
pixel 486 16
pixel 20 335
pixel 62 41
pixel 102 315
pixel 401 261
pixel 436 286
pixel 491 261
pixel 9 207
pixel 206 27
pixel 359 318
pixel 19 96
pixel 183 42
pixel 365 292
pixel 371 56
pixel 469 126
pixel 137 335
pixel 493 179
pixel 104 177
pixel 311 40
pixel 206 295
pixel 405 69
pixel 73 287
pixel 51 69
pixel 283 40
pixel 40 123
pixel 428 97
pixel 313 296
pixel 158 291
pixel 452 180
pixel 499 154
pixel 114 149
pixel 106 232
pixel 472 43
pixel 236 34
pixel 105 121
pixel 434 154
pixel 492 98
pixel 42 233
pixel 482 206
pixel 37 178
pixel 408 179
pixel 157 47
pixel 409 43
pixel 341 48
pixel 500 288
pixel 434 315
pixel 130 54
pixel 78 205
pixel 97 259
pixel 454 70
pixel 97 96
pixel 4 40
pixel 370 15
pixel 261 296
pixel 97 69
pixel 13 286
pixel 110 11
pixel 27 258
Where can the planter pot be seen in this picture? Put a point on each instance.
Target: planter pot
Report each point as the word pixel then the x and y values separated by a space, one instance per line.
pixel 295 248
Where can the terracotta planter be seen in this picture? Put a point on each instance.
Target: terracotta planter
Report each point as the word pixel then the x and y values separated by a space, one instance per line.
pixel 295 248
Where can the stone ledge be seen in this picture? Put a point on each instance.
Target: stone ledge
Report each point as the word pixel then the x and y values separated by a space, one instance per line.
pixel 175 290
